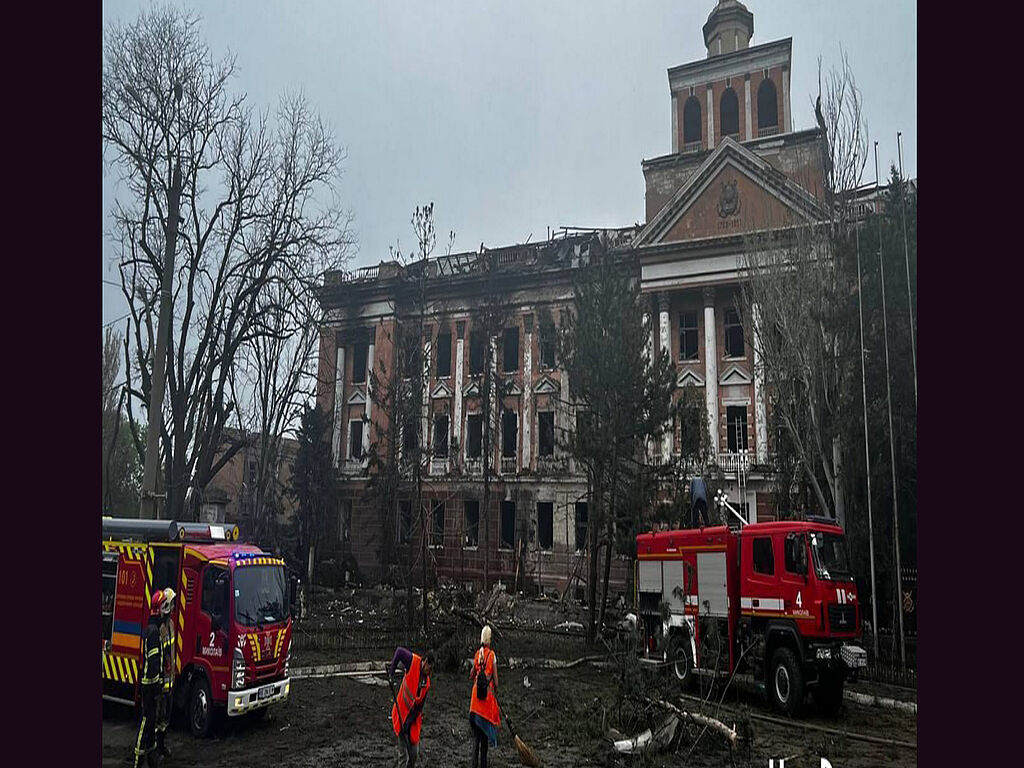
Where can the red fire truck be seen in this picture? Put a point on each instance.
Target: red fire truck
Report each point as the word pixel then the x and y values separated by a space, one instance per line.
pixel 232 619
pixel 727 600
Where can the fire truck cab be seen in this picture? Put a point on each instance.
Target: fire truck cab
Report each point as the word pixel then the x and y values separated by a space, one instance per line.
pixel 232 621
pixel 775 599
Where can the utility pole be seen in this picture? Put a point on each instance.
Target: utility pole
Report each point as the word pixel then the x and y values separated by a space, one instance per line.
pixel 906 258
pixel 892 446
pixel 148 507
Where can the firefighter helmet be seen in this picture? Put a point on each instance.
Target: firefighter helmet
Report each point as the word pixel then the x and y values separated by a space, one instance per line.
pixel 168 602
pixel 156 603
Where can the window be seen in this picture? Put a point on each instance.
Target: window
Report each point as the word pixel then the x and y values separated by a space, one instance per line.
pixel 476 353
pixel 109 589
pixel 260 595
pixel 510 350
pixel 474 435
pixel 165 567
pixel 509 433
pixel 764 559
pixel 734 346
pixel 355 441
pixel 359 362
pixel 507 539
pixel 547 346
pixel 546 433
pixel 691 121
pixel 444 354
pixel 796 554
pixel 688 336
pixel 441 435
pixel 404 520
pixel 736 421
pixel 730 109
pixel 581 525
pixel 767 106
pixel 584 428
pixel 345 520
pixel 409 441
pixel 437 524
pixel 215 592
pixel 545 524
pixel 472 522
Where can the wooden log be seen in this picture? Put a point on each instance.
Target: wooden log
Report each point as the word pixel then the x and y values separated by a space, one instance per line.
pixel 716 725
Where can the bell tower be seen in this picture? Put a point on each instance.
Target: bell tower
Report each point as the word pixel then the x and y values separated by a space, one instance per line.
pixel 729 28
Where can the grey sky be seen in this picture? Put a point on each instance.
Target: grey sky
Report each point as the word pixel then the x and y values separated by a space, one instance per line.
pixel 518 116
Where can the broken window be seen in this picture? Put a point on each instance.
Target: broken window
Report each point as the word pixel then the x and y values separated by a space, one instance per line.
pixel 730 109
pixel 767 106
pixel 546 433
pixel 546 524
pixel 547 345
pixel 355 442
pixel 510 350
pixel 472 525
pixel 437 524
pixel 409 438
pixel 441 435
pixel 691 121
pixel 507 538
pixel 359 362
pixel 404 520
pixel 734 346
pixel 476 353
pixel 509 433
pixel 582 517
pixel 764 559
pixel 444 354
pixel 688 336
pixel 474 435
pixel 736 422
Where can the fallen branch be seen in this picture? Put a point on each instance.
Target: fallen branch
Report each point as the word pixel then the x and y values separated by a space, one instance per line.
pixel 710 722
pixel 880 701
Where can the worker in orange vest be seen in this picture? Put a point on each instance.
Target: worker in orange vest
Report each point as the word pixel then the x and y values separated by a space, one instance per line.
pixel 484 716
pixel 407 711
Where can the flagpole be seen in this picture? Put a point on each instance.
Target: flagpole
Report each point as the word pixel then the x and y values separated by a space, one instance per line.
pixel 892 445
pixel 906 258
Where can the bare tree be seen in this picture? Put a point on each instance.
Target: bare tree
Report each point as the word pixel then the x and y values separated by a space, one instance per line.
pixel 256 210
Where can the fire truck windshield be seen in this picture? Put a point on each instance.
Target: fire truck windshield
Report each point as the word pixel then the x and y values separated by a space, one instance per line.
pixel 260 595
pixel 830 558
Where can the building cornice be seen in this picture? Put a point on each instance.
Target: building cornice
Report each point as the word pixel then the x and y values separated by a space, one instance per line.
pixel 775 54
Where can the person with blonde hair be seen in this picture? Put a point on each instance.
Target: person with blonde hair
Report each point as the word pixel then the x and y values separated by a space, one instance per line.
pixel 484 715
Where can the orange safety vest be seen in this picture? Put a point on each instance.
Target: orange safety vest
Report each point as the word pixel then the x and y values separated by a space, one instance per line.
pixel 487 707
pixel 407 698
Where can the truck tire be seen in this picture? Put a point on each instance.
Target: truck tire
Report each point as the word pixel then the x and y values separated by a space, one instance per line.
pixel 828 695
pixel 679 661
pixel 200 707
pixel 785 682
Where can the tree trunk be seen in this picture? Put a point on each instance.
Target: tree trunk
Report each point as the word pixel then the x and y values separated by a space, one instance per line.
pixel 592 525
pixel 309 563
pixel 611 537
pixel 837 492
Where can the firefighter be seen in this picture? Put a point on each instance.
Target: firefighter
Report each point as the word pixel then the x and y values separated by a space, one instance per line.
pixel 407 711
pixel 163 702
pixel 484 716
pixel 151 682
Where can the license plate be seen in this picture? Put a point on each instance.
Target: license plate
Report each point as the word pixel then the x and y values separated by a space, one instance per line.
pixel 266 691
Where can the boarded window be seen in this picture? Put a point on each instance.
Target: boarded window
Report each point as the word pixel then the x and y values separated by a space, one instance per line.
pixel 437 524
pixel 546 433
pixel 510 350
pixel 509 434
pixel 582 518
pixel 688 336
pixel 546 524
pixel 730 113
pixel 507 538
pixel 736 424
pixel 444 354
pixel 441 435
pixel 471 509
pixel 764 558
pixel 476 353
pixel 355 443
pixel 734 346
pixel 359 362
pixel 474 435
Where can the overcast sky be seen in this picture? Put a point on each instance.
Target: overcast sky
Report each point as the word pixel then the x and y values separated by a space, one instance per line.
pixel 513 117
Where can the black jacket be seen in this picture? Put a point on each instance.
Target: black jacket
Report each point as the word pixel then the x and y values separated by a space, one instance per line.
pixel 152 668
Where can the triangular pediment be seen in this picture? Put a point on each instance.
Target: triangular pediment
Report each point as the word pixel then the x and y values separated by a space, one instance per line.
pixel 547 386
pixel 357 398
pixel 512 389
pixel 472 389
pixel 441 391
pixel 733 192
pixel 689 377
pixel 734 375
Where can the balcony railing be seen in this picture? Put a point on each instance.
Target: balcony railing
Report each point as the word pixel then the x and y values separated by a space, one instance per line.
pixel 508 465
pixel 693 146
pixel 770 130
pixel 553 464
pixel 439 465
pixel 474 467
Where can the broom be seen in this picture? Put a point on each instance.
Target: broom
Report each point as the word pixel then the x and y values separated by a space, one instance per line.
pixel 526 754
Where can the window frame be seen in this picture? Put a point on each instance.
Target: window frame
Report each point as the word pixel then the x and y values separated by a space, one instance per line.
pixel 547 344
pixel 732 327
pixel 505 505
pixel 756 561
pixel 683 330
pixel 351 442
pixel 507 334
pixel 732 434
pixel 586 525
pixel 721 111
pixel 360 370
pixel 436 541
pixel 515 441
pixel 479 419
pixel 435 452
pixel 466 527
pixel 476 353
pixel 439 346
pixel 550 505
pixel 540 434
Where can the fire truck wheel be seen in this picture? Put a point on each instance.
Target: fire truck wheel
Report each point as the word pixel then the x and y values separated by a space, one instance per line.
pixel 200 708
pixel 786 682
pixel 679 659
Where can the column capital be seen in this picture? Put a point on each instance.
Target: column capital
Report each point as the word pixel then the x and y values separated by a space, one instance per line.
pixel 709 296
pixel 664 301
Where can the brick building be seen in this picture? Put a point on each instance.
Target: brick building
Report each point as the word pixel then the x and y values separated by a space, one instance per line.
pixel 736 168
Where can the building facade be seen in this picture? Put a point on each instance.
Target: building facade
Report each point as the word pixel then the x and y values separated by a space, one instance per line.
pixel 736 169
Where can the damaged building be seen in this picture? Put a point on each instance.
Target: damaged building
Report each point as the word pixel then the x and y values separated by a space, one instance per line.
pixel 736 167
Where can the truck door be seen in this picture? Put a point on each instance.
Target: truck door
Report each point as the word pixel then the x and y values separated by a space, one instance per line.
pixel 211 627
pixel 760 595
pixel 793 577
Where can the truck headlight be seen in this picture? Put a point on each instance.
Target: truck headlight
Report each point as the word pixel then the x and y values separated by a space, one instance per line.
pixel 287 662
pixel 238 670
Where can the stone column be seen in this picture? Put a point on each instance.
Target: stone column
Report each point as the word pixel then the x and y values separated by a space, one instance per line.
pixel 460 332
pixel 748 122
pixel 711 367
pixel 527 390
pixel 675 124
pixel 649 352
pixel 368 408
pixel 711 118
pixel 760 419
pixel 339 403
pixel 785 101
pixel 664 326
